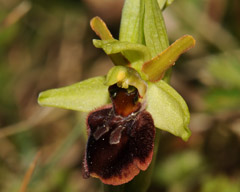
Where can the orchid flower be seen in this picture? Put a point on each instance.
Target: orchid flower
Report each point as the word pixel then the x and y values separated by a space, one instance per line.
pixel 127 104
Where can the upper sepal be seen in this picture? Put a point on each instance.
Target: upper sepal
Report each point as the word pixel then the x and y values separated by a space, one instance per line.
pixel 168 109
pixel 83 96
pixel 133 52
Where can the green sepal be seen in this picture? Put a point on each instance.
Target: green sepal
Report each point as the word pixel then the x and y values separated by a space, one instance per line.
pixel 168 109
pixel 154 28
pixel 125 76
pixel 132 51
pixel 83 96
pixel 156 67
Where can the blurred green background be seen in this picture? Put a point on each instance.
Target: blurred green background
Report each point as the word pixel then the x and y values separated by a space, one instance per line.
pixel 48 44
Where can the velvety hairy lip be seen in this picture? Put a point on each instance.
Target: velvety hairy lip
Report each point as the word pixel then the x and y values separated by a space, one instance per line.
pixel 118 146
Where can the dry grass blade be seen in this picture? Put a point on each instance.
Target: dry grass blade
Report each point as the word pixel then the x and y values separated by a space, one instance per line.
pixel 16 14
pixel 29 173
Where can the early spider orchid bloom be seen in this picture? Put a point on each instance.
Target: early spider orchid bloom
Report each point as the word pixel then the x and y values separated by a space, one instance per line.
pixel 127 104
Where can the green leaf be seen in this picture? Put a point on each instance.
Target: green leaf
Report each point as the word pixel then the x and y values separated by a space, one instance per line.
pixel 169 2
pixel 164 3
pixel 131 29
pixel 132 51
pixel 154 28
pixel 83 96
pixel 156 67
pixel 100 28
pixel 168 109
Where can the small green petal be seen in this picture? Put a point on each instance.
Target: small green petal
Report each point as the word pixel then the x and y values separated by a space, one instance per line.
pixel 83 96
pixel 100 28
pixel 125 76
pixel 168 109
pixel 156 67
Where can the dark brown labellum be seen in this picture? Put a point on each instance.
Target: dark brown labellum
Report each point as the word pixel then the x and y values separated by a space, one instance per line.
pixel 121 139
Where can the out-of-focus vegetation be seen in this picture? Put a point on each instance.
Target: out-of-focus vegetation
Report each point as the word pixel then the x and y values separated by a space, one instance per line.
pixel 47 44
